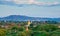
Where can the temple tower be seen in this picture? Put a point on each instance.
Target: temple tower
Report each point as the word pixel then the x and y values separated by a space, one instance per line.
pixel 28 24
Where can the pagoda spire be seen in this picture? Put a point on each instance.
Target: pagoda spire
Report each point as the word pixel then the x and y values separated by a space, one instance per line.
pixel 28 24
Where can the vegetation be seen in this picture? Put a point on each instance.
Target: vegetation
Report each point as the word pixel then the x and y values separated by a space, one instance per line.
pixel 35 29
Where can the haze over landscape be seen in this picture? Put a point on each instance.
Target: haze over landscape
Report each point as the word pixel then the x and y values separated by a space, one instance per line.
pixel 32 8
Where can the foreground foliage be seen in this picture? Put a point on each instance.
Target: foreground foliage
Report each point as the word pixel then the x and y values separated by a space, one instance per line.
pixel 34 30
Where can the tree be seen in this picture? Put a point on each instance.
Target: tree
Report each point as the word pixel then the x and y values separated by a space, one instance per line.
pixel 55 33
pixel 2 32
pixel 40 33
pixel 21 28
pixel 45 27
pixel 21 34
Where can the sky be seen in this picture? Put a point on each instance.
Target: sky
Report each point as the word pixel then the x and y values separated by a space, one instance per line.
pixel 32 8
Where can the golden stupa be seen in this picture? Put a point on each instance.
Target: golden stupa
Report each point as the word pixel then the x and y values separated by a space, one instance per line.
pixel 29 22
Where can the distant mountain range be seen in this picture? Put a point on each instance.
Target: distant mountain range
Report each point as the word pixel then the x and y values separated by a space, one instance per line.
pixel 26 18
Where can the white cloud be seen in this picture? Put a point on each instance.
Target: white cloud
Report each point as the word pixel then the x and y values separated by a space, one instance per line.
pixel 8 0
pixel 33 2
pixel 47 3
pixel 24 1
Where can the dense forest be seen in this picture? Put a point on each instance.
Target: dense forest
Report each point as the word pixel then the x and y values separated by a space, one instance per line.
pixel 34 28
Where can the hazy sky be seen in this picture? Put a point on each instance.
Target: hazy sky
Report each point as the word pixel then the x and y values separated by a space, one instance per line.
pixel 34 8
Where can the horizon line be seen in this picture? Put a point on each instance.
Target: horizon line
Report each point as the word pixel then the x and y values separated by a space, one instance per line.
pixel 29 16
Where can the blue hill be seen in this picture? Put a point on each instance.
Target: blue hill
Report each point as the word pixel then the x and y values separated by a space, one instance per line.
pixel 26 18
